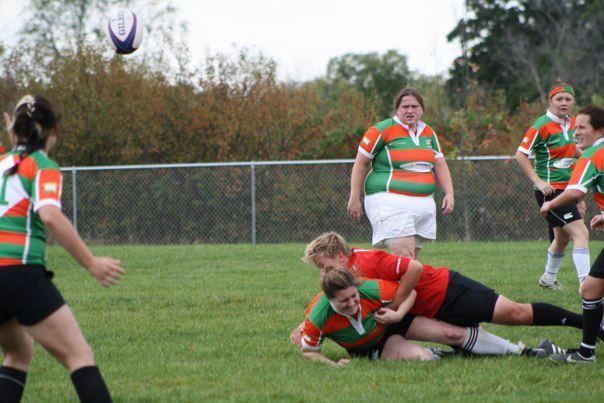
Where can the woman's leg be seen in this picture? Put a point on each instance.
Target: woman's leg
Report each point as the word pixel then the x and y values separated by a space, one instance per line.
pixel 473 340
pixel 555 255
pixel 580 236
pixel 61 336
pixel 508 312
pixel 404 246
pixel 397 348
pixel 18 349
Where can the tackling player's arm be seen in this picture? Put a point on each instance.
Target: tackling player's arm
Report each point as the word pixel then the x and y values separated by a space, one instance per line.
pixel 407 282
pixel 388 316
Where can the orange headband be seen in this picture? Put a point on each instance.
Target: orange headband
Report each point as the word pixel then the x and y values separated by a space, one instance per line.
pixel 561 88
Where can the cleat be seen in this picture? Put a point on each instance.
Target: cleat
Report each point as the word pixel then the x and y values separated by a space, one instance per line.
pixel 573 356
pixel 550 285
pixel 440 354
pixel 545 349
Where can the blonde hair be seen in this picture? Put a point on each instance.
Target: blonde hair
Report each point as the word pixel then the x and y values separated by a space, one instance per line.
pixel 336 280
pixel 327 245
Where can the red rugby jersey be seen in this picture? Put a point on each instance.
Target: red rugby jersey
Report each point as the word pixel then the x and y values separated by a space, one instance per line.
pixel 377 264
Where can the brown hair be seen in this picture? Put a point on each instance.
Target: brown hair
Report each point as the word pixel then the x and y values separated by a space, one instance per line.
pixel 33 120
pixel 407 92
pixel 336 280
pixel 596 115
pixel 327 245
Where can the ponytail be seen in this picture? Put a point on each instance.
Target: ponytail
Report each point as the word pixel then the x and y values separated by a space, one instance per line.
pixel 34 119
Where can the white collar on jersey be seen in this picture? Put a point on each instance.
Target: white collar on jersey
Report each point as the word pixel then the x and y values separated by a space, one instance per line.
pixel 598 141
pixel 414 136
pixel 564 123
pixel 356 323
pixel 21 147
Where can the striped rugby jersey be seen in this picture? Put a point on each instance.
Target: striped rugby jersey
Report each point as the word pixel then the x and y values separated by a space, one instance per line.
pixel 402 161
pixel 376 264
pixel 360 332
pixel 552 141
pixel 37 183
pixel 589 173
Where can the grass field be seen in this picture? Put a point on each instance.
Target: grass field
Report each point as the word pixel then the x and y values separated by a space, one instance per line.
pixel 211 322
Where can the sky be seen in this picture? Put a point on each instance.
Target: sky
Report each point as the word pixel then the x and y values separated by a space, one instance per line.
pixel 303 35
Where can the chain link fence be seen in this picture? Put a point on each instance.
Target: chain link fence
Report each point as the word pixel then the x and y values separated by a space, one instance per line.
pixel 281 201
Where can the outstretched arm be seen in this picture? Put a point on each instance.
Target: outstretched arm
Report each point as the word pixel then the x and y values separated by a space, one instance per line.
pixel 318 356
pixel 106 270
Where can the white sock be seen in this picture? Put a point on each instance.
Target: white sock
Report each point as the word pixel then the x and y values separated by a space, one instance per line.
pixel 581 259
pixel 554 261
pixel 479 341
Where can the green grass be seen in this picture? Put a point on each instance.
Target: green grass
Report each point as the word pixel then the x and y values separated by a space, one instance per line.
pixel 211 322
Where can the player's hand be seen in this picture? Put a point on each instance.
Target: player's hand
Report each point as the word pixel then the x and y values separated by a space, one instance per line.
pixel 545 208
pixel 448 204
pixel 355 210
pixel 544 187
pixel 342 362
pixel 296 335
pixel 387 316
pixel 106 270
pixel 597 222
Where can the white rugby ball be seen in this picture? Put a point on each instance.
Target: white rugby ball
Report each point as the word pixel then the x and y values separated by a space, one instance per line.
pixel 124 31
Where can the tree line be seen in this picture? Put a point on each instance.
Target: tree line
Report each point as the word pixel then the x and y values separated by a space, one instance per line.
pixel 162 109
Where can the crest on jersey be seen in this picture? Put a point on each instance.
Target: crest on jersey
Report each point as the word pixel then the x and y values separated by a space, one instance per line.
pixel 366 141
pixel 50 187
pixel 429 143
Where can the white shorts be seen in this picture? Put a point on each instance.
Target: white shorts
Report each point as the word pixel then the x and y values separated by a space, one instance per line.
pixel 395 216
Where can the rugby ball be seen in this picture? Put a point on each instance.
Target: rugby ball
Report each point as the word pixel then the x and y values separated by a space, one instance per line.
pixel 124 31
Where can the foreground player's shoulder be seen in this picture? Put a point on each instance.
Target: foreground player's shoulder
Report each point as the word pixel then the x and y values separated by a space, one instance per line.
pixel 541 122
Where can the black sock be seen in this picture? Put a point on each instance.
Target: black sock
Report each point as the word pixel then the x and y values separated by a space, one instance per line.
pixel 12 382
pixel 552 315
pixel 592 315
pixel 90 386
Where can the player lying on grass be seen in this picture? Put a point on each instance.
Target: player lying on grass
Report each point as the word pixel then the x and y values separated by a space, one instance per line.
pixel 441 293
pixel 344 312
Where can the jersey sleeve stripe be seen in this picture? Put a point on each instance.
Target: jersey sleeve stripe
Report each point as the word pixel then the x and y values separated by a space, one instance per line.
pixel 47 202
pixel 365 153
pixel 398 265
pixel 524 151
pixel 577 187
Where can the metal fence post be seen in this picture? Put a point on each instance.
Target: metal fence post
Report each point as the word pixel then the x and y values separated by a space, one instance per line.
pixel 74 195
pixel 253 202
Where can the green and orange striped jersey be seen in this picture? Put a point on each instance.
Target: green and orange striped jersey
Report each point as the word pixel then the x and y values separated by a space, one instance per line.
pixel 37 183
pixel 552 141
pixel 360 332
pixel 589 173
pixel 402 161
